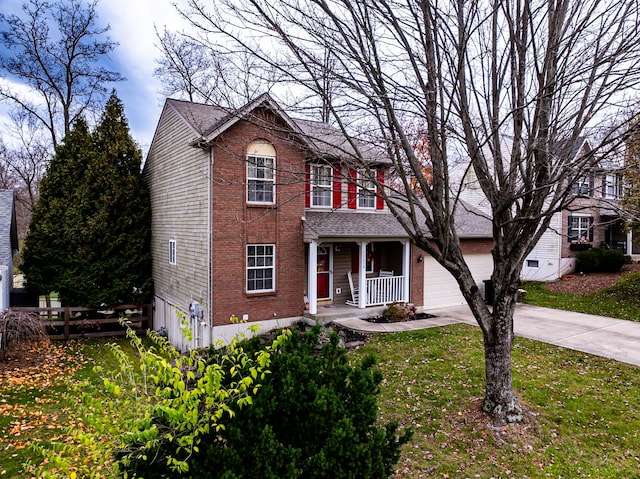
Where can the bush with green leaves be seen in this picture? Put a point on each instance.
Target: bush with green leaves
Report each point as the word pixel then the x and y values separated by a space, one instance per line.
pixel 316 416
pixel 600 260
pixel 156 409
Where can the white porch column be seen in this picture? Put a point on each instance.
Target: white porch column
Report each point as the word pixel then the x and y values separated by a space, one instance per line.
pixel 362 275
pixel 406 270
pixel 312 280
pixel 630 243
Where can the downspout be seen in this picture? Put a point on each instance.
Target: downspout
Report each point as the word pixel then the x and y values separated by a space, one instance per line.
pixel 210 245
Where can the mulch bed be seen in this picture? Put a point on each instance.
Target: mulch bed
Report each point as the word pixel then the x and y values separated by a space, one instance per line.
pixel 577 283
pixel 382 319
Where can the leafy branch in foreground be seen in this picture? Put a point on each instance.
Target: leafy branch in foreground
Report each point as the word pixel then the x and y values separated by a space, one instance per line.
pixel 156 407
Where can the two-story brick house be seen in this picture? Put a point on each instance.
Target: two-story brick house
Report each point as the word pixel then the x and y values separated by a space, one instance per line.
pixel 592 220
pixel 266 218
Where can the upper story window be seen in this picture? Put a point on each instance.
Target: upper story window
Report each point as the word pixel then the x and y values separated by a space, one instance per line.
pixel 611 186
pixel 583 185
pixel 321 182
pixel 261 178
pixel 366 193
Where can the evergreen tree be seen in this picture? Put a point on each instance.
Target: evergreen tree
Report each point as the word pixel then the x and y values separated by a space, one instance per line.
pixel 46 251
pixel 110 221
pixel 90 235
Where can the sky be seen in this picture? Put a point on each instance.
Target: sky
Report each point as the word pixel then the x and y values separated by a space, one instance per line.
pixel 132 26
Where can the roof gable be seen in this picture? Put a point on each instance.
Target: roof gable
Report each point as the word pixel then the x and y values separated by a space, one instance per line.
pixel 208 122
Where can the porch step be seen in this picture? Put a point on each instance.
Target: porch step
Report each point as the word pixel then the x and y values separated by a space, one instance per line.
pixel 328 314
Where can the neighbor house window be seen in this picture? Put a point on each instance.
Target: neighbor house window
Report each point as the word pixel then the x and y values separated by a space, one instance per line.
pixel 321 181
pixel 260 268
pixel 366 193
pixel 261 183
pixel 583 186
pixel 611 186
pixel 533 263
pixel 172 251
pixel 580 229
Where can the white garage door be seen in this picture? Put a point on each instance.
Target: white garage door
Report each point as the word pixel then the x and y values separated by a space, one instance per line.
pixel 441 290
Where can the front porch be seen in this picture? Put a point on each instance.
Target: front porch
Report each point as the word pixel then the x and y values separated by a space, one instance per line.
pixel 346 276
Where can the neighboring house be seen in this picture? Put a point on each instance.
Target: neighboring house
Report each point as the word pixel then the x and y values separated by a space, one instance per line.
pixel 592 220
pixel 8 245
pixel 262 217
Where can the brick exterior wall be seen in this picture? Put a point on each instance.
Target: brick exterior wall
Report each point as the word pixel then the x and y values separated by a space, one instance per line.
pixel 236 224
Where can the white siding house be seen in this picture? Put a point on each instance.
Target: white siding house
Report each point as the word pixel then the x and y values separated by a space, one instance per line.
pixel 8 245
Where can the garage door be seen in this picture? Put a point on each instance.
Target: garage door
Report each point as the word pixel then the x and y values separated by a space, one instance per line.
pixel 441 290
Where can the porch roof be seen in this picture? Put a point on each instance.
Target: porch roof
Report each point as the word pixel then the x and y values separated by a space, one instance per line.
pixel 337 224
pixel 470 223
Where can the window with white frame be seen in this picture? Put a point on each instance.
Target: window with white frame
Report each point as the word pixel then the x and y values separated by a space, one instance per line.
pixel 370 265
pixel 260 268
pixel 580 229
pixel 172 252
pixel 261 181
pixel 366 192
pixel 321 182
pixel 611 186
pixel 583 185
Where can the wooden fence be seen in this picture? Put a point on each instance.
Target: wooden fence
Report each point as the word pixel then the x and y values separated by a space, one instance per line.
pixel 77 322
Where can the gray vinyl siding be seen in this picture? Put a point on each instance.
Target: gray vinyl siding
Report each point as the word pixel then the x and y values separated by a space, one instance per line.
pixel 178 179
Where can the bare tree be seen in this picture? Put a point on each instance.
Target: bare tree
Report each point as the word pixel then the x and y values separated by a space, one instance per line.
pixel 208 73
pixel 504 90
pixel 57 50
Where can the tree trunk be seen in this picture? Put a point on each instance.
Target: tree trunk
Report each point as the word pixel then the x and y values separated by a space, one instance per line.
pixel 500 402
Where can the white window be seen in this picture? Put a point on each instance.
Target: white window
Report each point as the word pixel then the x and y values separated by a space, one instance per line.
pixel 366 193
pixel 533 263
pixel 321 182
pixel 583 186
pixel 580 229
pixel 261 183
pixel 260 268
pixel 172 252
pixel 610 186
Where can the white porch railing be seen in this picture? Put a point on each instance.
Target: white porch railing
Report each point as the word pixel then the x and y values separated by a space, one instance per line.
pixel 384 290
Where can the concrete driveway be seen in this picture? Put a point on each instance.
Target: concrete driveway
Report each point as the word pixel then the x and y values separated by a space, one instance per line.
pixel 607 337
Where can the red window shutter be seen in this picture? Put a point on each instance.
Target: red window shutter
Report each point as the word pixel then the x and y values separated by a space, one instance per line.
pixel 352 201
pixel 307 185
pixel 337 187
pixel 379 198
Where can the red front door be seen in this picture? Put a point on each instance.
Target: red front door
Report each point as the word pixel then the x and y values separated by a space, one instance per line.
pixel 323 273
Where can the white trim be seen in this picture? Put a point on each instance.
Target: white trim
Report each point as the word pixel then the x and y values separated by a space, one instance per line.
pixel 371 192
pixel 263 267
pixel 173 252
pixel 314 186
pixel 266 181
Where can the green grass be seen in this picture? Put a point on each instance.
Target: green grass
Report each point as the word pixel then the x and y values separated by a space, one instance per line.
pixel 621 300
pixel 34 403
pixel 585 419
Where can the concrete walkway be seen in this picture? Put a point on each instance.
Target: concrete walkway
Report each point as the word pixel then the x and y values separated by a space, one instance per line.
pixel 607 337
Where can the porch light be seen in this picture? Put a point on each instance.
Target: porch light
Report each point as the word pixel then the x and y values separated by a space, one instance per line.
pixel 420 259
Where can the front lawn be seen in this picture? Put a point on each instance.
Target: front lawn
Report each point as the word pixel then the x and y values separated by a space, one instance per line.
pixel 622 300
pixel 584 422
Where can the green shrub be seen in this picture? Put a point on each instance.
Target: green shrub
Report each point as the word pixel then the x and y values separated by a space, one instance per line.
pixel 314 417
pixel 600 260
